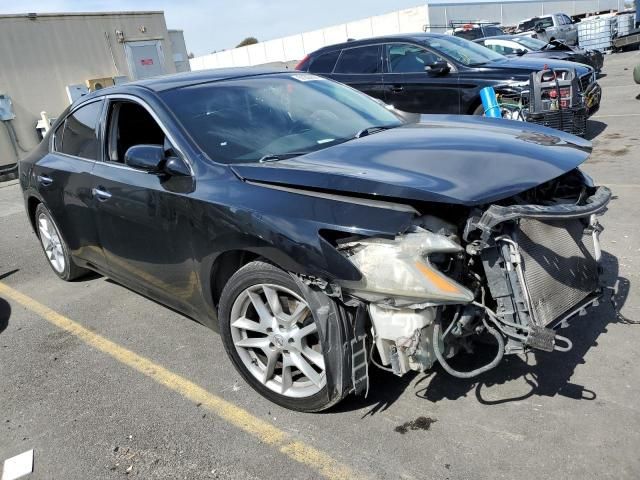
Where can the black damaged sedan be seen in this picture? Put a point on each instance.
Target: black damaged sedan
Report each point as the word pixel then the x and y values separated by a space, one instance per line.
pixel 315 230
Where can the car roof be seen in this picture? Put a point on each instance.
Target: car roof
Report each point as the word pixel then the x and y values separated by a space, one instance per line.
pixel 185 79
pixel 407 37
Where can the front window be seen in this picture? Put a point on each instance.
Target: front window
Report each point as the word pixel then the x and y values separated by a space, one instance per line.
pixel 466 52
pixel 407 58
pixel 531 43
pixel 249 119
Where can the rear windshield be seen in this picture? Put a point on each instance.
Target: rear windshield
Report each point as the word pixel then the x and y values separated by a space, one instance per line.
pixel 248 119
pixel 532 43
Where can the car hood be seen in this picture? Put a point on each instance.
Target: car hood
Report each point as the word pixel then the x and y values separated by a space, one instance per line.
pixel 463 160
pixel 526 65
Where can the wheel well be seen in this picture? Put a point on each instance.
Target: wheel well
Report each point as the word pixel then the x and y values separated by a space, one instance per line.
pixel 32 204
pixel 475 104
pixel 224 267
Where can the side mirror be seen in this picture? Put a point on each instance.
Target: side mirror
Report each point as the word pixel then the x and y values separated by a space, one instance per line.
pixel 176 167
pixel 437 68
pixel 148 158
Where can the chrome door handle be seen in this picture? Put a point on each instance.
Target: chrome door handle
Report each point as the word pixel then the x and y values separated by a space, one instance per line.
pixel 397 89
pixel 100 194
pixel 44 180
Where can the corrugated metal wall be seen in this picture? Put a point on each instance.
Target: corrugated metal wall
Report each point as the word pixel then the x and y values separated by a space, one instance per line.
pixel 39 57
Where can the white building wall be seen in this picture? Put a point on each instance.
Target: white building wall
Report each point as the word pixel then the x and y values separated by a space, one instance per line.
pixel 295 47
pixel 432 16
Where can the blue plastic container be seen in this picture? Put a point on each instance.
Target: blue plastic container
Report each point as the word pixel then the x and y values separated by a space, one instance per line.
pixel 490 102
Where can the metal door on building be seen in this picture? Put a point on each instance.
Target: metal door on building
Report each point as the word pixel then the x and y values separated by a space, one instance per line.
pixel 145 58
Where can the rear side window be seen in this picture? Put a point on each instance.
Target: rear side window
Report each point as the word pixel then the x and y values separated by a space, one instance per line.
pixel 80 133
pixel 492 31
pixel 360 60
pixel 324 63
pixel 470 34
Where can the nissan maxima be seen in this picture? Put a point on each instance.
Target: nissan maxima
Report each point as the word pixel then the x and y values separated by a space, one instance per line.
pixel 319 233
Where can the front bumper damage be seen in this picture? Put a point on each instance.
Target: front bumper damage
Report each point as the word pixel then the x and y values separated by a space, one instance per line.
pixel 542 267
pixel 536 267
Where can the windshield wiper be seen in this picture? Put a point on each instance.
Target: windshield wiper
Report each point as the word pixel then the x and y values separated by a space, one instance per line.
pixel 272 157
pixel 369 130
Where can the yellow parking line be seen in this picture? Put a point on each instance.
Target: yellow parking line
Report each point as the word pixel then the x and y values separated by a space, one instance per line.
pixel 297 450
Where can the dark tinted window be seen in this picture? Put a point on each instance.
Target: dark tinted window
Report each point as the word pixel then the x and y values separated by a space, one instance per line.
pixel 360 60
pixel 407 58
pixel 80 136
pixel 492 31
pixel 324 63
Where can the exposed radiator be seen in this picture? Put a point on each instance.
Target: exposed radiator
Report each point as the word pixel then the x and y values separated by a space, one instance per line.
pixel 558 265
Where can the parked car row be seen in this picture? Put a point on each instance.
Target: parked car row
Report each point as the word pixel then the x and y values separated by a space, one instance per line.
pixel 436 73
pixel 518 45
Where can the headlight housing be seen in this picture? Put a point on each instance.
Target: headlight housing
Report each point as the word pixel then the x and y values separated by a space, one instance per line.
pixel 398 271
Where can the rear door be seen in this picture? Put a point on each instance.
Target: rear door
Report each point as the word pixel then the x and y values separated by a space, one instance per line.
pixel 361 67
pixel 64 179
pixel 143 218
pixel 411 88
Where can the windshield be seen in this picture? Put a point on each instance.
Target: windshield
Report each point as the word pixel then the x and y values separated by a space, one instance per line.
pixel 268 116
pixel 532 43
pixel 466 52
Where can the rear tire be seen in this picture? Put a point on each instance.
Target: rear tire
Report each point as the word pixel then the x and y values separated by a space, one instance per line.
pixel 479 110
pixel 54 246
pixel 272 339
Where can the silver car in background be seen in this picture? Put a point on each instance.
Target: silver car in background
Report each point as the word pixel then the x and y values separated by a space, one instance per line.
pixel 557 26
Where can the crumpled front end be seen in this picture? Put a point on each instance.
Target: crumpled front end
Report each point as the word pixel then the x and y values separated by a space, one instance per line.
pixel 513 272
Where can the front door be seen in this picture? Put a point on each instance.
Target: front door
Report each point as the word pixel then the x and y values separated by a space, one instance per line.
pixel 145 58
pixel 143 223
pixel 411 87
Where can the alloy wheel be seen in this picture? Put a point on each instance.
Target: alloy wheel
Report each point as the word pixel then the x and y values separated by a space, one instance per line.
pixel 51 243
pixel 276 338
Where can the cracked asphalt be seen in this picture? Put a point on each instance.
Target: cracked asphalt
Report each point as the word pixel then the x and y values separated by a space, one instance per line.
pixel 89 415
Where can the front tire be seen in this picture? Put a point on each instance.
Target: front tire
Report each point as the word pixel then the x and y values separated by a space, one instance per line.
pixel 54 246
pixel 271 337
pixel 479 110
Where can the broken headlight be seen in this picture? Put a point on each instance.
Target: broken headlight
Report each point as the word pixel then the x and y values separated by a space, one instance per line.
pixel 398 272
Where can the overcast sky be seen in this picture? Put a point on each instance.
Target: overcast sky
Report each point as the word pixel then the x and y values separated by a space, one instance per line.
pixel 216 24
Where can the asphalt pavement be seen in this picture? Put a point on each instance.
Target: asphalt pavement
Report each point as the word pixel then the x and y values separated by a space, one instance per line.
pixel 104 383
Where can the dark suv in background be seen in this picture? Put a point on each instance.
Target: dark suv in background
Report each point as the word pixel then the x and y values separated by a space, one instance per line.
pixel 434 73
